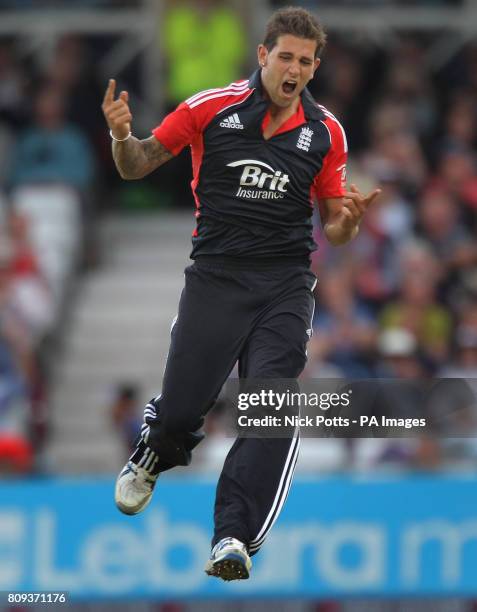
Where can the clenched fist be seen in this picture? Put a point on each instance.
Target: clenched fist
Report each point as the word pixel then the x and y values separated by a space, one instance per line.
pixel 117 113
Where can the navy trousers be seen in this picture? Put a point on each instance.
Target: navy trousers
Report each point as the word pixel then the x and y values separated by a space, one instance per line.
pixel 260 316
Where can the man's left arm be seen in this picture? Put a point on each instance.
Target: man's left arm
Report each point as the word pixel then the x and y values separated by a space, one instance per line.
pixel 342 216
pixel 341 210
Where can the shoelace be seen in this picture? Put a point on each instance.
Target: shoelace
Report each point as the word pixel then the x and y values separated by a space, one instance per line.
pixel 141 480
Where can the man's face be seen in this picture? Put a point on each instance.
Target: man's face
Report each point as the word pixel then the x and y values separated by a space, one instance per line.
pixel 287 68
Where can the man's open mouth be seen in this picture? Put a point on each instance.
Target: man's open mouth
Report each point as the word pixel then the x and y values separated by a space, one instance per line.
pixel 289 87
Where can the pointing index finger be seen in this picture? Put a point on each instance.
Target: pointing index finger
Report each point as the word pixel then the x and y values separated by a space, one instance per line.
pixel 372 196
pixel 109 95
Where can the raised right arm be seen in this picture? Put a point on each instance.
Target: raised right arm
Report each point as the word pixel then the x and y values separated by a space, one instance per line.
pixel 134 158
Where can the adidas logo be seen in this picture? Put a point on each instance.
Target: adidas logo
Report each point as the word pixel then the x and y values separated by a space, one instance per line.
pixel 232 121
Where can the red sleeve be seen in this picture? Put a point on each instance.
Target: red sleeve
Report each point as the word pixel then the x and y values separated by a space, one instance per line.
pixel 191 117
pixel 330 182
pixel 177 130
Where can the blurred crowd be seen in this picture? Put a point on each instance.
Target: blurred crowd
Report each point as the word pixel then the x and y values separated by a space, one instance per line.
pixel 48 166
pixel 400 301
pixel 413 267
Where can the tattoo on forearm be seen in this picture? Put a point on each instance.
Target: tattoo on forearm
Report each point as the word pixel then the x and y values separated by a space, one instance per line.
pixel 135 158
pixel 155 152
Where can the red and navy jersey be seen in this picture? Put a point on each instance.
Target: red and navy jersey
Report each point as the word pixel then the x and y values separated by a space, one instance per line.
pixel 254 196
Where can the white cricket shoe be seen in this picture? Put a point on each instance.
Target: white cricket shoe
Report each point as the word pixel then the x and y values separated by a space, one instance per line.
pixel 134 488
pixel 229 560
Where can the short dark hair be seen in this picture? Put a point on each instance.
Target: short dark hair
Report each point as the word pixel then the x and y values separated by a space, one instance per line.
pixel 297 22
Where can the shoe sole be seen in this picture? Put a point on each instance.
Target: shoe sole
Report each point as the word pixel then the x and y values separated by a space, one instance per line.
pixel 230 567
